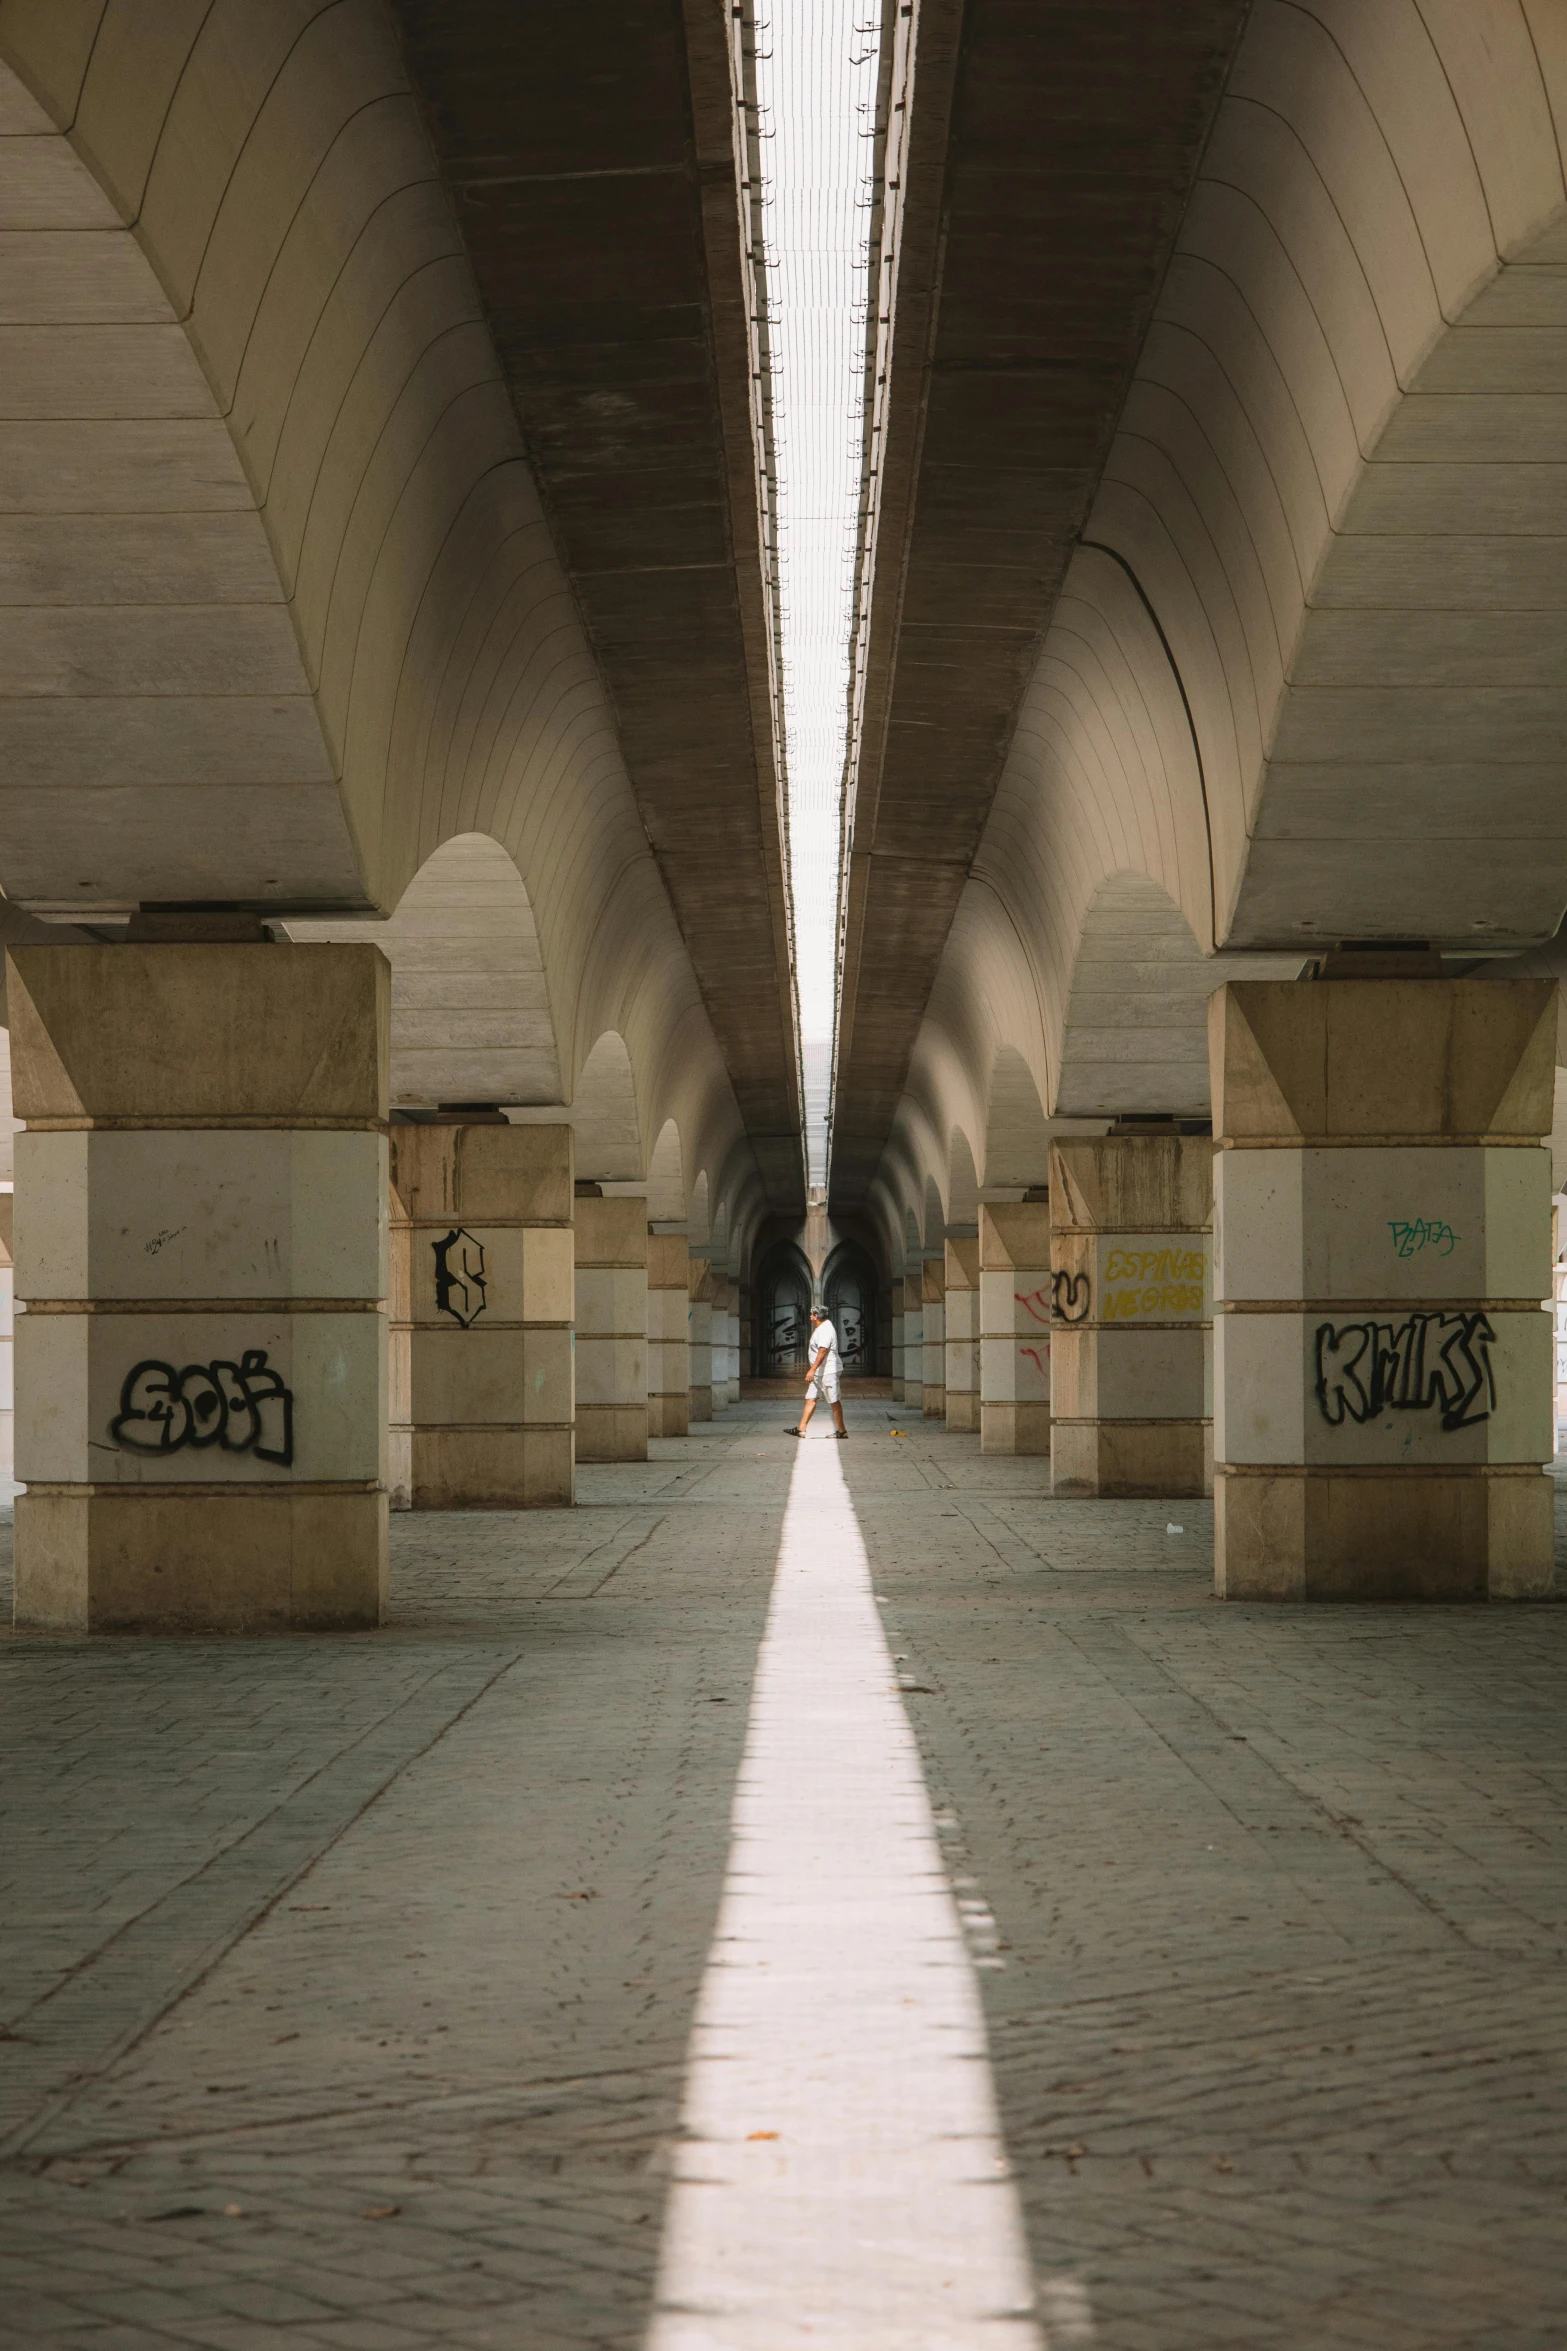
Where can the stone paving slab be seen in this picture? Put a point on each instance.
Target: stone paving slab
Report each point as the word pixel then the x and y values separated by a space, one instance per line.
pixel 392 1941
pixel 1280 1915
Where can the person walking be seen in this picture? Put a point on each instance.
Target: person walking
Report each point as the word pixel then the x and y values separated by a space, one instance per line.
pixel 822 1377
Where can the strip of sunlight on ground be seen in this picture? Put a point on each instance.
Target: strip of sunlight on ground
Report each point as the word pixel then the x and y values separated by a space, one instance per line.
pixel 840 2180
pixel 816 76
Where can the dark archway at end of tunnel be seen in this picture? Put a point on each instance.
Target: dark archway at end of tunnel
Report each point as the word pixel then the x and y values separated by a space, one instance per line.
pixel 782 1330
pixel 849 1289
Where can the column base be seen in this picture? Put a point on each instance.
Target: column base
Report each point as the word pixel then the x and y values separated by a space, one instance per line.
pixel 200 1560
pixel 668 1416
pixel 1392 1535
pixel 1014 1428
pixel 897 1390
pixel 489 1468
pixel 612 1432
pixel 962 1411
pixel 701 1404
pixel 935 1402
pixel 1131 1460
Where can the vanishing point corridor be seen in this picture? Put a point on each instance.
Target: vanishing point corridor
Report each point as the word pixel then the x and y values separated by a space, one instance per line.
pixel 721 717
pixel 1161 1974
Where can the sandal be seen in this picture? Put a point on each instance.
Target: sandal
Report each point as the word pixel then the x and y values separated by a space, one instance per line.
pixel 794 1432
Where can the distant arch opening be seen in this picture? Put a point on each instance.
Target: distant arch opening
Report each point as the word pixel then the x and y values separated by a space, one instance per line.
pixel 962 1184
pixel 1017 1140
pixel 783 1288
pixel 698 1227
pixel 935 1217
pixel 849 1295
pixel 666 1183
pixel 470 1011
pixel 604 1115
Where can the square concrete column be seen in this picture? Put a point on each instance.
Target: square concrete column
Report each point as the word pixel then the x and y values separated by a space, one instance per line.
pixel 700 1286
pixel 1382 1350
pixel 7 1330
pixel 201 1260
pixel 961 1315
pixel 897 1342
pixel 718 1335
pixel 612 1294
pixel 1131 1377
pixel 733 1288
pixel 747 1360
pixel 668 1335
pixel 914 1340
pixel 935 1329
pixel 482 1316
pixel 1014 1326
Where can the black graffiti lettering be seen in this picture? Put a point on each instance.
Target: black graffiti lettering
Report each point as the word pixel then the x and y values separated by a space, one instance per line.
pixel 1070 1295
pixel 1433 1359
pixel 242 1407
pixel 460 1286
pixel 1340 1391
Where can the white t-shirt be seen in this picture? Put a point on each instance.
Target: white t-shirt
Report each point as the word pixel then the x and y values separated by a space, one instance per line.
pixel 823 1335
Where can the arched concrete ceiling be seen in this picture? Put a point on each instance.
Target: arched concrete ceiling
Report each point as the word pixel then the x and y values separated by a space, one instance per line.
pixel 330 628
pixel 1305 671
pixel 590 157
pixel 1051 154
pixel 158 735
pixel 1341 477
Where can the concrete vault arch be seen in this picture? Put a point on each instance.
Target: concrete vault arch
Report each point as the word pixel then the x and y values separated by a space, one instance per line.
pixel 1016 1136
pixel 604 1115
pixel 471 1018
pixel 962 1182
pixel 666 1184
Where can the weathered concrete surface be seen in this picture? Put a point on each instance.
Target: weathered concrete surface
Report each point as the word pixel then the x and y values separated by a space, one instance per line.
pixel 416 1920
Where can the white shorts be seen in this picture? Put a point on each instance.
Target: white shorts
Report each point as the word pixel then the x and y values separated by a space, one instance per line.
pixel 825 1385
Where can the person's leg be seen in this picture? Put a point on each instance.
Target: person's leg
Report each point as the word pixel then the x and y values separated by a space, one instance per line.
pixel 805 1417
pixel 837 1416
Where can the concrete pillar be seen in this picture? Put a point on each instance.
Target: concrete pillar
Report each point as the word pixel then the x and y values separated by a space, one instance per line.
pixel 201 1258
pixel 611 1299
pixel 935 1328
pixel 7 1326
pixel 1382 1356
pixel 897 1341
pixel 668 1335
pixel 1131 1375
pixel 747 1336
pixel 700 1284
pixel 914 1339
pixel 1014 1326
pixel 482 1376
pixel 734 1339
pixel 961 1315
pixel 720 1342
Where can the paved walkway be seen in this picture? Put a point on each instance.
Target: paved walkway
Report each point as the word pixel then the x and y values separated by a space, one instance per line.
pixel 350 1985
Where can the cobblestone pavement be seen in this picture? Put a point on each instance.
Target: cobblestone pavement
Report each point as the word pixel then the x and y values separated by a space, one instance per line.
pixel 347 1982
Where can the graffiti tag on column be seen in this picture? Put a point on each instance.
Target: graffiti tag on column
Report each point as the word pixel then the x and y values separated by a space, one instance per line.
pixel 1157 1281
pixel 241 1407
pixel 1032 1353
pixel 1434 1360
pixel 460 1286
pixel 1422 1232
pixel 1064 1298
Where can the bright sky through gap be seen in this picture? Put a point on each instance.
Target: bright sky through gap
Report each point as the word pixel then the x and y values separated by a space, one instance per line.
pixel 816 89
